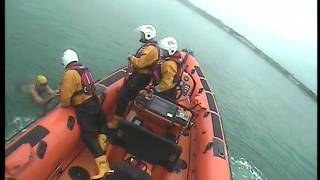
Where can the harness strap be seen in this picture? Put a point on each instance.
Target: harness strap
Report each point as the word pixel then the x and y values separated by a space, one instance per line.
pixel 183 66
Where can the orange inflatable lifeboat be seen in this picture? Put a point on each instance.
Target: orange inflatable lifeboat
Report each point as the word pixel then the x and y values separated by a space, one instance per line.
pixel 157 140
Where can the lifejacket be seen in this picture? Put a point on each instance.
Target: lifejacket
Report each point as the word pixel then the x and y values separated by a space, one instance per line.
pixel 130 68
pixel 87 81
pixel 138 54
pixel 148 43
pixel 156 71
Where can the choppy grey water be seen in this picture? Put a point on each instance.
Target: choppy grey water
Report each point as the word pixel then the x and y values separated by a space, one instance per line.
pixel 270 124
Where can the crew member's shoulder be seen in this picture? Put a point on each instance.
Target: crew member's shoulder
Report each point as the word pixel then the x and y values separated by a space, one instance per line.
pixel 71 72
pixel 170 62
pixel 150 47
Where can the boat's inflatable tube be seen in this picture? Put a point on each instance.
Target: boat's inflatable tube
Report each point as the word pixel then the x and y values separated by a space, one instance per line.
pixel 46 149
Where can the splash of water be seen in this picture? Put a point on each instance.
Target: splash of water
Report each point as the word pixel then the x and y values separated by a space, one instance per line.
pixel 243 169
pixel 18 123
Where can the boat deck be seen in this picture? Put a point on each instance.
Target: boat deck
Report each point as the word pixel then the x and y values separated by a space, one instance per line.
pixel 83 165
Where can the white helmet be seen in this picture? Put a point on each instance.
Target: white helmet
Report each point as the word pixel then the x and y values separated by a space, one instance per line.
pixel 149 31
pixel 169 44
pixel 69 56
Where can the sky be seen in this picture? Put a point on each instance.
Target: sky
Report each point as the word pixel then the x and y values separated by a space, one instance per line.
pixel 286 30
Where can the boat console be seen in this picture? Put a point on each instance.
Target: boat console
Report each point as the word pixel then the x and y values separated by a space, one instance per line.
pixel 160 115
pixel 170 112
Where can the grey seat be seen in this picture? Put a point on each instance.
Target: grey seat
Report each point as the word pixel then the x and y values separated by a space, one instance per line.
pixel 146 145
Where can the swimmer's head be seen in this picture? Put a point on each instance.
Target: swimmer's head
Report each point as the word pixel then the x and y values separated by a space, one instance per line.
pixel 41 80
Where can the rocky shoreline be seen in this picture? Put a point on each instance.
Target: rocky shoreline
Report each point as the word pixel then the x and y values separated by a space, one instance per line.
pixel 251 46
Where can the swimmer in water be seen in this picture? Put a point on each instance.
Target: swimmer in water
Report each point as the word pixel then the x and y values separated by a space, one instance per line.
pixel 41 86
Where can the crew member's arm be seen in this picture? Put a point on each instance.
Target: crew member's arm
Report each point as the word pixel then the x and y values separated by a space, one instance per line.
pixel 148 57
pixel 168 71
pixel 68 87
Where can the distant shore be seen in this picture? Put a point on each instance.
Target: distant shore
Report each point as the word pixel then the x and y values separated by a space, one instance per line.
pixel 251 46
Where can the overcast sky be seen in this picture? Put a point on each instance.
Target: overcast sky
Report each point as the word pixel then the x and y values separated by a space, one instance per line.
pixel 286 30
